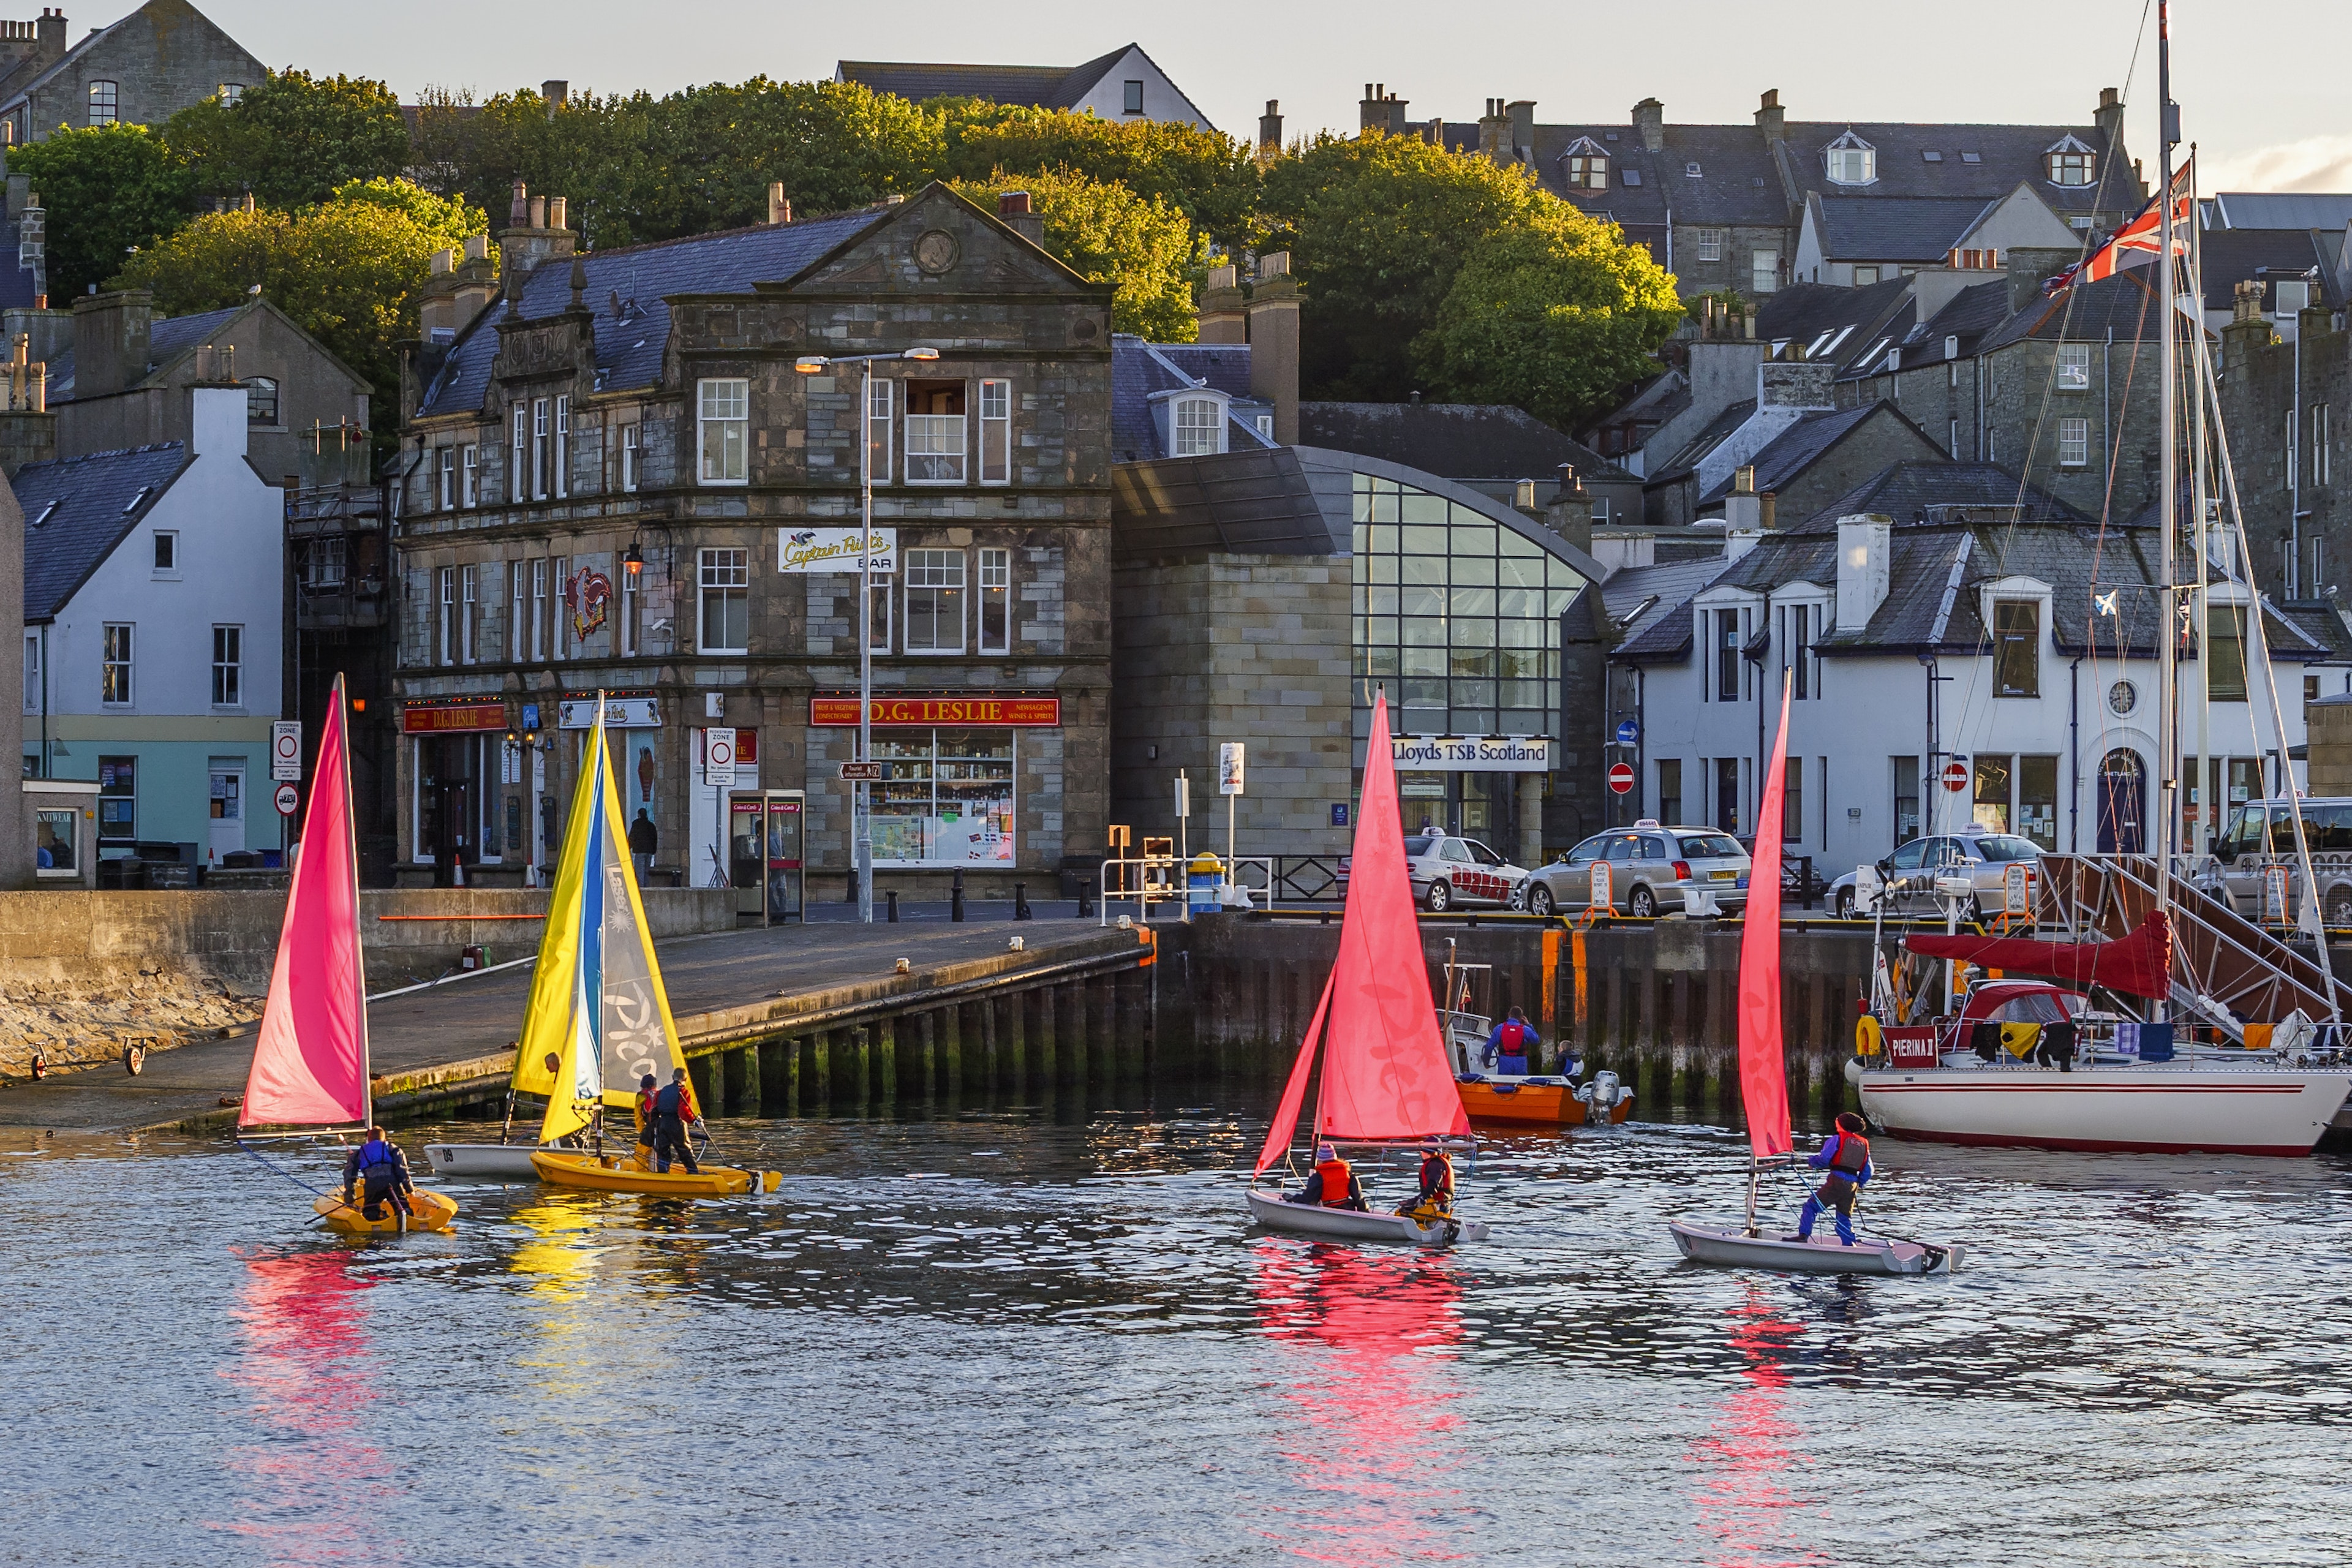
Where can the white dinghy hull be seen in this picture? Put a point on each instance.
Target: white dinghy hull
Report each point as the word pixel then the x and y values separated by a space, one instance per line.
pixel 2156 1110
pixel 1350 1224
pixel 1729 1246
pixel 487 1162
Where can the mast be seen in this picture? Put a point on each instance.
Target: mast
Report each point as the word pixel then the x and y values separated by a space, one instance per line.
pixel 2167 744
pixel 359 938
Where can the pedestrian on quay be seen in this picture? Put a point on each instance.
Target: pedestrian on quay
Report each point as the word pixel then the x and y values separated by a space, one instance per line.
pixel 378 1170
pixel 1845 1155
pixel 674 1112
pixel 1509 1044
pixel 644 840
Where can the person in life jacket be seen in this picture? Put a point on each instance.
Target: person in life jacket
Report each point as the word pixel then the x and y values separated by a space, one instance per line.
pixel 1845 1155
pixel 1334 1184
pixel 378 1170
pixel 1435 1198
pixel 1508 1047
pixel 674 1112
pixel 644 1108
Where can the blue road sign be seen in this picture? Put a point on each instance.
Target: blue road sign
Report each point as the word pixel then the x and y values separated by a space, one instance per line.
pixel 1629 732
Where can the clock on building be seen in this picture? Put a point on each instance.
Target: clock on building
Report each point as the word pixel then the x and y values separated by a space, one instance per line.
pixel 2122 698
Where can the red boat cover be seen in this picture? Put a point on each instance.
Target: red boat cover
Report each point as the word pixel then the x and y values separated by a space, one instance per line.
pixel 2139 964
pixel 1763 1074
pixel 311 1063
pixel 1385 1073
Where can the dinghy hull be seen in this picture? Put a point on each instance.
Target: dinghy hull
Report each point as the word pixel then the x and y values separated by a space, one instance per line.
pixel 612 1173
pixel 1540 1101
pixel 427 1211
pixel 487 1162
pixel 1730 1246
pixel 1351 1225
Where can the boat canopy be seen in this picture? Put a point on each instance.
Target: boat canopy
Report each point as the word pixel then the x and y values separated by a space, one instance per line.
pixel 2138 964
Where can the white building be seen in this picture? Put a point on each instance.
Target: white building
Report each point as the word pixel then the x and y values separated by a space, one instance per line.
pixel 155 593
pixel 2010 656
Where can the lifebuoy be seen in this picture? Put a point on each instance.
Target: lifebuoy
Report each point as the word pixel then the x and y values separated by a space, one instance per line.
pixel 1869 1039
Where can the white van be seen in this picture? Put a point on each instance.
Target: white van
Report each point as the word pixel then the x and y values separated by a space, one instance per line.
pixel 2261 833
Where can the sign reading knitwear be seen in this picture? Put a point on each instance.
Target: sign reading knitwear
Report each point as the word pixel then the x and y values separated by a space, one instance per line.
pixel 451 718
pixel 1045 712
pixel 620 713
pixel 1471 754
pixel 835 550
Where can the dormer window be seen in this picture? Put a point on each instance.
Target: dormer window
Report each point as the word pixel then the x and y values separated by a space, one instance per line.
pixel 1853 161
pixel 1200 427
pixel 2070 163
pixel 1588 166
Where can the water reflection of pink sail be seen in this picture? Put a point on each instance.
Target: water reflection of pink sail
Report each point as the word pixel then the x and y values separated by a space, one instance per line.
pixel 1746 1503
pixel 315 1490
pixel 1376 1433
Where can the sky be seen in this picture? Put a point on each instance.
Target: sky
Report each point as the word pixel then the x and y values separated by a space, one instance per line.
pixel 2254 83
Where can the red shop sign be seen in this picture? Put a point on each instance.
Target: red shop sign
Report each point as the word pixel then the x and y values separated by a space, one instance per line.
pixel 451 718
pixel 982 711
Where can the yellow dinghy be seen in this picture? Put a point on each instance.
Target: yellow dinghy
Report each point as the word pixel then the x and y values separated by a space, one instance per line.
pixel 614 1174
pixel 428 1211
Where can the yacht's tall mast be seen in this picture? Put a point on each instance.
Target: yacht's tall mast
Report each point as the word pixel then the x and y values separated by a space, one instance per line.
pixel 2167 744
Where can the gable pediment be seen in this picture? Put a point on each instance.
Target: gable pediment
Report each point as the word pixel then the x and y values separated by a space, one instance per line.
pixel 937 242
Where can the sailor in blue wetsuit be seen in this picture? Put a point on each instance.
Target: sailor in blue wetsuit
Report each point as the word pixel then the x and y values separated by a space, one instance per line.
pixel 1845 1155
pixel 379 1171
pixel 1509 1044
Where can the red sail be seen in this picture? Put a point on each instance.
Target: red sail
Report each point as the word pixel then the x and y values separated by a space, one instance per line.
pixel 2137 965
pixel 1385 1074
pixel 310 1064
pixel 1294 1093
pixel 1763 1076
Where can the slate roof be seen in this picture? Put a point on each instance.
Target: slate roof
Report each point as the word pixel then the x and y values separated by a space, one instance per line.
pixel 2232 256
pixel 173 336
pixel 1708 439
pixel 1249 502
pixel 2007 155
pixel 2125 304
pixel 2276 209
pixel 1455 440
pixel 629 346
pixel 1139 369
pixel 1894 228
pixel 1798 447
pixel 1669 585
pixel 1905 493
pixel 1736 184
pixel 92 497
pixel 1039 86
pixel 1802 313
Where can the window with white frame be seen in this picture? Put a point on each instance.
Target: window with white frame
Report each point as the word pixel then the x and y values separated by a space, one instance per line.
pixel 559 623
pixel 2074 367
pixel 114 669
pixel 469 475
pixel 469 578
pixel 539 618
pixel 32 672
pixel 518 611
pixel 228 667
pixel 105 101
pixel 1587 172
pixel 628 633
pixel 935 432
pixel 1198 428
pixel 1132 100
pixel 447 498
pixel 2074 443
pixel 539 448
pixel 724 411
pixel 167 552
pixel 518 473
pixel 2319 443
pixel 56 837
pixel 1710 245
pixel 881 399
pixel 449 615
pixel 1852 161
pixel 629 457
pixel 563 446
pixel 995 601
pixel 726 585
pixel 996 432
pixel 1763 271
pixel 934 600
pixel 324 563
pixel 2071 163
pixel 260 401
pixel 2289 468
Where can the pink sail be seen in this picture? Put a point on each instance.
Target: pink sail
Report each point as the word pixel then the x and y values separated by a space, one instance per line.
pixel 310 1064
pixel 1763 1076
pixel 1294 1093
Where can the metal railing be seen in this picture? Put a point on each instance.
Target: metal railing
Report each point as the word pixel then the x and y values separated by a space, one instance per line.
pixel 1144 881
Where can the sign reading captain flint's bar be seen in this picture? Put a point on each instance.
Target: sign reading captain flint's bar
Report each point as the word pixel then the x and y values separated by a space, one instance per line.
pixel 835 550
pixel 1472 754
pixel 981 710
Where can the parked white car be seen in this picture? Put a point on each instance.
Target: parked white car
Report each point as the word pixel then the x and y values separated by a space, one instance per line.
pixel 1979 854
pixel 1447 871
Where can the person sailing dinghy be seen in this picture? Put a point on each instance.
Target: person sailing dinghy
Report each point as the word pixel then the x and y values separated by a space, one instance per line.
pixel 1385 1075
pixel 599 1019
pixel 309 1071
pixel 1764 1085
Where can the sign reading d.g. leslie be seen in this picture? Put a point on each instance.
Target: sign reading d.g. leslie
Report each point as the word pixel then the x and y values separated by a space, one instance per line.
pixel 451 718
pixel 981 710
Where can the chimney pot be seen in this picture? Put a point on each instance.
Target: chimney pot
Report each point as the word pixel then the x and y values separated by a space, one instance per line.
pixel 518 209
pixel 779 209
pixel 444 260
pixel 1743 479
pixel 535 213
pixel 1012 203
pixel 558 211
pixel 1272 264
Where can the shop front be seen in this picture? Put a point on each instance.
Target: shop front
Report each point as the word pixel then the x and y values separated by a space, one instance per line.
pixel 960 776
pixel 457 751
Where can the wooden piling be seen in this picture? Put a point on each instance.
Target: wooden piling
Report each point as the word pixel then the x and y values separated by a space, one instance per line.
pixel 1071 1000
pixel 747 1092
pixel 951 1052
pixel 886 1060
pixel 926 1044
pixel 772 1095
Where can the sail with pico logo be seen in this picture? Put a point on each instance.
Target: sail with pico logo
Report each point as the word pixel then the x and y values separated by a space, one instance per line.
pixel 1472 754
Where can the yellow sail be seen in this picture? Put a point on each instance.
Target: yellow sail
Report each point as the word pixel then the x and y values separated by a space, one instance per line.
pixel 599 1016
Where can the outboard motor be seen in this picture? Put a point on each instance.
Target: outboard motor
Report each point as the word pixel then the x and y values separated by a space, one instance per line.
pixel 1605 1099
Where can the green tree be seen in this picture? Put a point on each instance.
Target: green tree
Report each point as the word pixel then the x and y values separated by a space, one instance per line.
pixel 1107 233
pixel 1208 177
pixel 290 139
pixel 108 190
pixel 1552 315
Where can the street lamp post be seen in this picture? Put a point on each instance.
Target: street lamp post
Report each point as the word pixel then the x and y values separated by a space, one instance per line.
pixel 861 806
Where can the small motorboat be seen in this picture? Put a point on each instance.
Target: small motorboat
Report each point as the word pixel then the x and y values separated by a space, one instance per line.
pixel 427 1211
pixel 623 1174
pixel 1530 1099
pixel 1727 1243
pixel 1271 1210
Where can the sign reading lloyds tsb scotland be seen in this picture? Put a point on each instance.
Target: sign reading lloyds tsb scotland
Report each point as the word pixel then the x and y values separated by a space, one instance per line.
pixel 1471 754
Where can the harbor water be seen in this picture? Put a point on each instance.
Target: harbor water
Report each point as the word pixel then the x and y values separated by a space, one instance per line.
pixel 1016 1336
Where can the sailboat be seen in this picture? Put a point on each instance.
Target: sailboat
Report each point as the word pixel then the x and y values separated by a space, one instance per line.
pixel 309 1071
pixel 1764 1086
pixel 1385 1079
pixel 599 1019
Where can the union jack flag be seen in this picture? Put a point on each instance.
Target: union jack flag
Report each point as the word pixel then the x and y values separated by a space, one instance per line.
pixel 2135 244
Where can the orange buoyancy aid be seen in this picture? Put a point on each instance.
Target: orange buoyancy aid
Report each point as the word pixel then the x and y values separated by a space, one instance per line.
pixel 1445 1187
pixel 1852 1156
pixel 1337 1180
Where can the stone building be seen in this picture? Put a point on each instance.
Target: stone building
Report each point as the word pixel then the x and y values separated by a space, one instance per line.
pixel 2285 399
pixel 1125 84
pixel 141 70
pixel 631 476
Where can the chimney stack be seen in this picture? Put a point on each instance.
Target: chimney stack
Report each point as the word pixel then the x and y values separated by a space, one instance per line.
pixel 1225 311
pixel 1269 129
pixel 49 34
pixel 1494 134
pixel 539 234
pixel 518 209
pixel 779 210
pixel 2109 117
pixel 1770 118
pixel 556 93
pixel 1865 545
pixel 1274 343
pixel 1521 114
pixel 1569 511
pixel 1650 120
pixel 1013 207
pixel 1381 111
pixel 112 341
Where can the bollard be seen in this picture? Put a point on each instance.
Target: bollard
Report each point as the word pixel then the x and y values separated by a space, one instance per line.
pixel 1021 902
pixel 849 888
pixel 1086 900
pixel 955 897
pixel 892 895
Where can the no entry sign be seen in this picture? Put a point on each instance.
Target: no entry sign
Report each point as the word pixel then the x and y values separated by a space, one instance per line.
pixel 1620 778
pixel 1955 775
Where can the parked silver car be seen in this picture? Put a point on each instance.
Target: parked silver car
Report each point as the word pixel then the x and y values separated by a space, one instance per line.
pixel 1652 870
pixel 1983 855
pixel 1447 870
